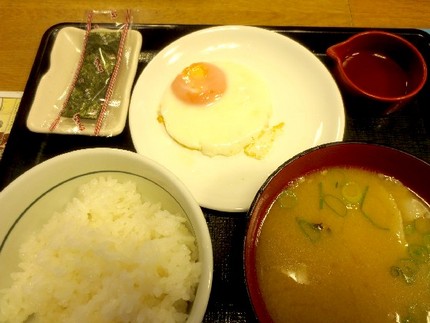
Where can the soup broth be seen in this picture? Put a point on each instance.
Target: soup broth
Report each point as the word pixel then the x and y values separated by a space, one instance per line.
pixel 345 245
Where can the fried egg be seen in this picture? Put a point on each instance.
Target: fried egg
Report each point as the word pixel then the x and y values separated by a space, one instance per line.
pixel 217 108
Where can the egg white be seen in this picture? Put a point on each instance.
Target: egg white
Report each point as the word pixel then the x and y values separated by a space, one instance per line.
pixel 229 124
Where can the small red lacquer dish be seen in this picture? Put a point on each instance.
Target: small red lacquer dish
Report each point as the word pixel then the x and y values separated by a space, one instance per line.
pixel 381 67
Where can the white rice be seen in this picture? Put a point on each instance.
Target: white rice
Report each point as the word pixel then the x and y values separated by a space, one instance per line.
pixel 108 257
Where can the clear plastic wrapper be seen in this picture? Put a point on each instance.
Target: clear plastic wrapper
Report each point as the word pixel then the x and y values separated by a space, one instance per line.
pixel 89 99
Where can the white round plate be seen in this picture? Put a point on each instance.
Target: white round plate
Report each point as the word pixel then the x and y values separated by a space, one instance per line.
pixel 304 96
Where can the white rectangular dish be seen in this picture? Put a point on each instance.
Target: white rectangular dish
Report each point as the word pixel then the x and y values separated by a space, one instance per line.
pixel 52 88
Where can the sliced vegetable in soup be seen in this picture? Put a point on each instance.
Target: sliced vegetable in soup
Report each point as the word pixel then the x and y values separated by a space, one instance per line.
pixel 346 245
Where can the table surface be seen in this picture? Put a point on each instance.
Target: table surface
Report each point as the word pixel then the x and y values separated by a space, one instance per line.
pixel 25 21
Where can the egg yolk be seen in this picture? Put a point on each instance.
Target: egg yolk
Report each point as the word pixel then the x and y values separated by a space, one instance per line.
pixel 200 83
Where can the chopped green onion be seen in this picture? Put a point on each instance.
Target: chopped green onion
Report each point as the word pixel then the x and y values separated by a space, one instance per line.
pixel 335 204
pixel 321 194
pixel 287 199
pixel 376 225
pixel 363 197
pixel 351 192
pixel 338 177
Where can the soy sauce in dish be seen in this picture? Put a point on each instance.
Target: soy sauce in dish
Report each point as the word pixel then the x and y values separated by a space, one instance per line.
pixel 376 74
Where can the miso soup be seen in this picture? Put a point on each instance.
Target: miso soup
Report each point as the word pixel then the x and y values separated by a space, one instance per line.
pixel 346 245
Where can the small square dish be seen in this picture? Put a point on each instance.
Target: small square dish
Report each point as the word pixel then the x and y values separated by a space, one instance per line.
pixel 53 87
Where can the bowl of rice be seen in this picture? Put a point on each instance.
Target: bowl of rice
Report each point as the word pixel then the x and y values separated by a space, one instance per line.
pixel 102 235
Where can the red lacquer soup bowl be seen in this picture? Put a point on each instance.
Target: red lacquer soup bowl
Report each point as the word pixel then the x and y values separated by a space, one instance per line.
pixel 413 172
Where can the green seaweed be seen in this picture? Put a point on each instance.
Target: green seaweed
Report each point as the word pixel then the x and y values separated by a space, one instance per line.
pixel 88 95
pixel 313 231
pixel 406 269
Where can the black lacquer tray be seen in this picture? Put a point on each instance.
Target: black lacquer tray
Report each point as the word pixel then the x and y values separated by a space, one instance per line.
pixel 407 130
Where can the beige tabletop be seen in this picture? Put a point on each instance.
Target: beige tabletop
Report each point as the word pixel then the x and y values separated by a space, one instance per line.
pixel 25 21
